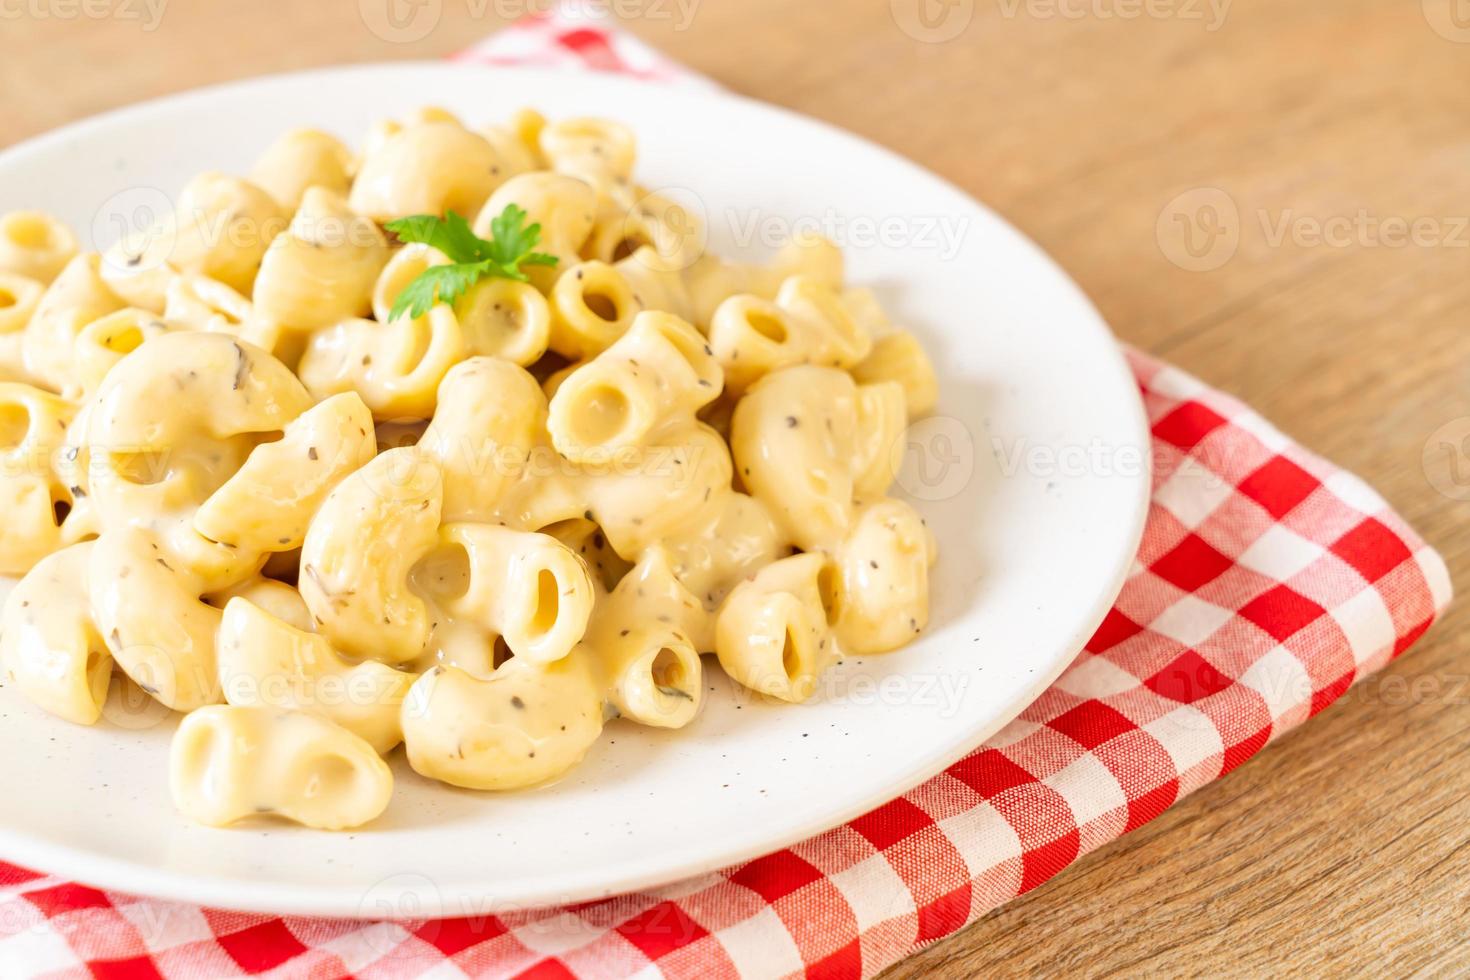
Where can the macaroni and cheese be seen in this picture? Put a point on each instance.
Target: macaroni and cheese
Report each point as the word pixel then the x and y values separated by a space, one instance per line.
pixel 463 442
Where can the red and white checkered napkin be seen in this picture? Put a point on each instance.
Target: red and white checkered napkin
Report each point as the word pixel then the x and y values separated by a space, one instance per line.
pixel 1268 582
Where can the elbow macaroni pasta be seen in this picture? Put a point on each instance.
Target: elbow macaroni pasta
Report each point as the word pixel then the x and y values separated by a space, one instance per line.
pixel 484 532
pixel 266 661
pixel 19 296
pixel 426 167
pixel 219 229
pixel 51 648
pixel 773 633
pixel 38 487
pixel 299 161
pixel 805 324
pixel 35 245
pixel 75 298
pixel 323 268
pixel 230 762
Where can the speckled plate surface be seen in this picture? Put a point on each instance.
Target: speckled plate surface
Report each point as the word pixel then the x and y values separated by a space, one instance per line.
pixel 1033 474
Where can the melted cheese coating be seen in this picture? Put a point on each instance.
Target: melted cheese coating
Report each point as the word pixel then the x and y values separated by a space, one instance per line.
pixel 481 532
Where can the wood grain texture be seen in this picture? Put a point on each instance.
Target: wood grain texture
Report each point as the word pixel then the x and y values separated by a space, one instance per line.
pixel 1346 844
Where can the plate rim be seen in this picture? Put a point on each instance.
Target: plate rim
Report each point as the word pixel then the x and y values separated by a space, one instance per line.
pixel 288 898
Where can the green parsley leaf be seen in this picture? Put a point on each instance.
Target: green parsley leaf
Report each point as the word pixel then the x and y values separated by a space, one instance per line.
pixel 471 258
pixel 436 284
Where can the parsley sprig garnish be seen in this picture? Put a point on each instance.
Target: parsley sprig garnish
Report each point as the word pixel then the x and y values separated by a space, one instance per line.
pixel 471 257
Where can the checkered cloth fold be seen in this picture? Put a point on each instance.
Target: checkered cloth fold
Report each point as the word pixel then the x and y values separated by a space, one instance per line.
pixel 1267 583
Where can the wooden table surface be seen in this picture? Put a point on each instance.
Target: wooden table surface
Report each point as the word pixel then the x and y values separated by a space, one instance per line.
pixel 1325 282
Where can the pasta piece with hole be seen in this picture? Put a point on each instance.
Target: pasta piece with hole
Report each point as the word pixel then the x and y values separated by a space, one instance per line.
pixel 661 369
pixel 74 299
pixel 107 340
pixel 637 228
pixel 648 634
pixel 395 367
pixel 36 498
pixel 228 763
pixel 19 297
pixel 406 265
pixel 506 319
pixel 805 324
pixel 526 587
pixel 50 649
pixel 171 423
pixel 35 245
pixel 591 305
pixel 773 633
pixel 359 552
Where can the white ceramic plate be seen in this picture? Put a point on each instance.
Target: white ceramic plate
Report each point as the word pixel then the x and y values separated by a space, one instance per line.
pixel 1034 477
